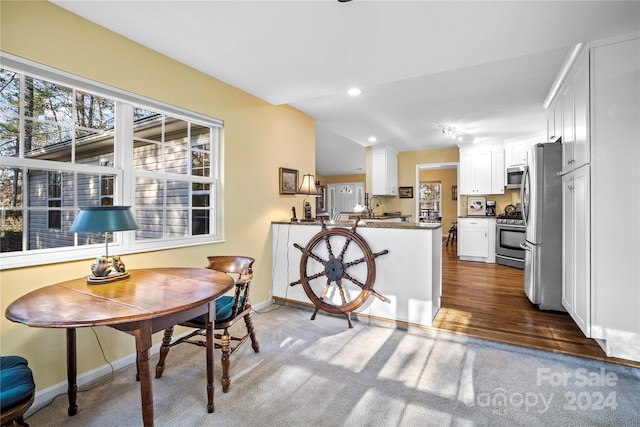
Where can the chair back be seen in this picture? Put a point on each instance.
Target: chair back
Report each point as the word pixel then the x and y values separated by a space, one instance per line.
pixel 240 266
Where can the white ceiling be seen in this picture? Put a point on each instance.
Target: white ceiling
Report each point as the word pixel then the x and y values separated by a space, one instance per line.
pixel 484 67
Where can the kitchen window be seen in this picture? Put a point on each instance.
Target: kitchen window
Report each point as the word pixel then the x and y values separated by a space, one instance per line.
pixel 64 145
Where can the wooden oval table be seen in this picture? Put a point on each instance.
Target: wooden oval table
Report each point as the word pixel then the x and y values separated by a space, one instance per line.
pixel 150 300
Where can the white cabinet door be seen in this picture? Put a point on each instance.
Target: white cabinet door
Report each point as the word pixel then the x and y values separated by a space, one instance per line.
pixel 483 169
pixel 473 237
pixel 515 153
pixel 581 149
pixel 576 244
pixel 554 121
pixel 385 172
pixel 477 171
pixel 467 172
pixel 497 170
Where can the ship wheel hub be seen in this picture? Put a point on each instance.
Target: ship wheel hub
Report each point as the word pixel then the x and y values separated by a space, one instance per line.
pixel 334 269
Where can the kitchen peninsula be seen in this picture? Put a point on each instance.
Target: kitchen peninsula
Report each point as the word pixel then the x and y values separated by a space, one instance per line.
pixel 409 276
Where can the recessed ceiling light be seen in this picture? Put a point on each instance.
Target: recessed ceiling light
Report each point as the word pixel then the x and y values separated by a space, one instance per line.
pixel 372 139
pixel 354 91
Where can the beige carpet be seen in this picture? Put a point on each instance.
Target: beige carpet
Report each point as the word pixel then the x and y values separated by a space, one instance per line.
pixel 320 373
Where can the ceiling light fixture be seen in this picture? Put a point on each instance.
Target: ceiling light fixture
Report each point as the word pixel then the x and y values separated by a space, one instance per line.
pixel 451 132
pixel 373 139
pixel 354 91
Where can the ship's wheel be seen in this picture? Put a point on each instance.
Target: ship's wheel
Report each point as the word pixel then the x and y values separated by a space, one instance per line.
pixel 338 270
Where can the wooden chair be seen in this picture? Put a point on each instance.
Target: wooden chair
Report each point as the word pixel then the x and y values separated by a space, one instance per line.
pixel 229 310
pixel 17 391
pixel 453 233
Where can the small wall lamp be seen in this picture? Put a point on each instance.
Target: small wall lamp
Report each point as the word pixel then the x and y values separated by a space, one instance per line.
pixel 105 220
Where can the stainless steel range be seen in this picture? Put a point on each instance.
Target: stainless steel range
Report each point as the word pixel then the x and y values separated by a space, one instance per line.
pixel 510 234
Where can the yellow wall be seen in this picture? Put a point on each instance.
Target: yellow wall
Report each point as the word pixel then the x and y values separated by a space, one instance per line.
pixel 258 139
pixel 339 179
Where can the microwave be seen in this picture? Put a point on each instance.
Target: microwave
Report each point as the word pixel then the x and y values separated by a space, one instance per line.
pixel 515 175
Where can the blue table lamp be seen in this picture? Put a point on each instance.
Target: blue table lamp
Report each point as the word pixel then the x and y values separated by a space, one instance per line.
pixel 105 220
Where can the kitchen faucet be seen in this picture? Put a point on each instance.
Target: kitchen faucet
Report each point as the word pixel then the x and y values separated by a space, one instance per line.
pixel 371 207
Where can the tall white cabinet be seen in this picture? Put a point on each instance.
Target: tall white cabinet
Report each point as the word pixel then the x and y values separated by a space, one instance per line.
pixel 600 105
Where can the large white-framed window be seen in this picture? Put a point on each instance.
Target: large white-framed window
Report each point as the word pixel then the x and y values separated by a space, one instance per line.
pixel 66 142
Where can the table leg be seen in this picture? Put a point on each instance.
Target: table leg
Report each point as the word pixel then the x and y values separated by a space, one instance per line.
pixel 210 346
pixel 72 371
pixel 143 344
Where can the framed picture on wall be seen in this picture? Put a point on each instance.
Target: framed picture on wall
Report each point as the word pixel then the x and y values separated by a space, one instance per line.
pixel 476 206
pixel 406 192
pixel 288 181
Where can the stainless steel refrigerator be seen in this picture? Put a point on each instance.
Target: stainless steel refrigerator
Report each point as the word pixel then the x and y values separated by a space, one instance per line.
pixel 541 194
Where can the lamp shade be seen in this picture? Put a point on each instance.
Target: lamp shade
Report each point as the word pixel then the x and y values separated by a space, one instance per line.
pixel 308 187
pixel 100 219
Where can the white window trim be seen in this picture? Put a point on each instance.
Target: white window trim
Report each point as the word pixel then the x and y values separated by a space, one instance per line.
pixel 124 242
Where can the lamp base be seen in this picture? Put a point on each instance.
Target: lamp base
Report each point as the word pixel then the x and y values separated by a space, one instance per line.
pixel 94 280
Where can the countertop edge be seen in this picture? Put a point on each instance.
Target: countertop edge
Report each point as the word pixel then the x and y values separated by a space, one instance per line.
pixel 370 224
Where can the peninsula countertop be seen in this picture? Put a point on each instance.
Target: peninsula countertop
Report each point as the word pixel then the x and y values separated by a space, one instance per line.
pixel 363 223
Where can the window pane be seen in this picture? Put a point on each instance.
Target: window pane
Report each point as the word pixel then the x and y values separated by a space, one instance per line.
pixel 150 222
pixel 9 91
pixel 93 147
pixel 11 231
pixel 200 164
pixel 176 159
pixel 93 111
pixel 176 132
pixel 9 136
pixel 200 221
pixel 43 237
pixel 47 141
pixel 10 187
pixel 48 101
pixel 87 189
pixel 177 193
pixel 177 223
pixel 200 137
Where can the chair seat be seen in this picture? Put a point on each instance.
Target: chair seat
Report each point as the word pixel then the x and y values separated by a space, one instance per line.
pixel 17 381
pixel 224 310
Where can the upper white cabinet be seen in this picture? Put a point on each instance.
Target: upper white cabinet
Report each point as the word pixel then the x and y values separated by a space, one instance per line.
pixel 574 95
pixel 554 121
pixel 516 151
pixel 385 172
pixel 482 170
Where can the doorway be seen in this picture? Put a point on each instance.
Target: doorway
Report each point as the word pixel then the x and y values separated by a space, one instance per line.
pixel 448 175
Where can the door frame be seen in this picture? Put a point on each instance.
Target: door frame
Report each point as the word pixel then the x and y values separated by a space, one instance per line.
pixel 427 166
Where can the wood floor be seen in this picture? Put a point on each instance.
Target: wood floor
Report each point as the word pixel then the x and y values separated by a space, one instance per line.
pixel 488 301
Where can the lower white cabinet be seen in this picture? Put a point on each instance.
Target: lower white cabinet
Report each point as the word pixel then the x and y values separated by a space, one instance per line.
pixel 477 239
pixel 576 244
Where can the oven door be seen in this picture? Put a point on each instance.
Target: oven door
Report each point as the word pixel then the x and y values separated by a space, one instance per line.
pixel 508 240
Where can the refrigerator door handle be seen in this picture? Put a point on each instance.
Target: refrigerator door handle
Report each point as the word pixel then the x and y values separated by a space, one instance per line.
pixel 526 247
